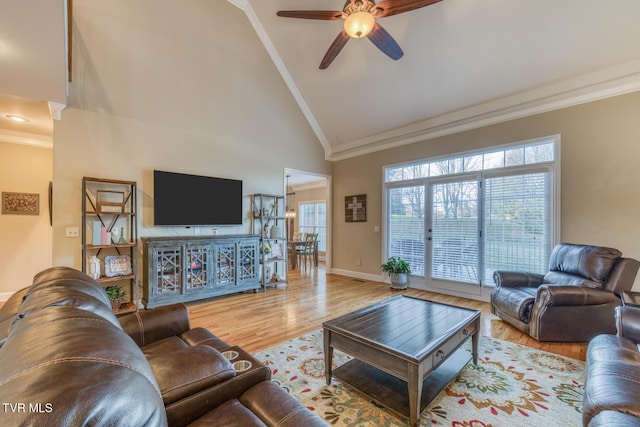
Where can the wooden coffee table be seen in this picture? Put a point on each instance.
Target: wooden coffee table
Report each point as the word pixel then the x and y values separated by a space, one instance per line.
pixel 404 349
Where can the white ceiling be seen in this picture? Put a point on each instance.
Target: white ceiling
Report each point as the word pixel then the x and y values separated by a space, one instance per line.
pixel 467 63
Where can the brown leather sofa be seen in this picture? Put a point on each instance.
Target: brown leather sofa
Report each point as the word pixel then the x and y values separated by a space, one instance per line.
pixel 574 301
pixel 66 359
pixel 612 383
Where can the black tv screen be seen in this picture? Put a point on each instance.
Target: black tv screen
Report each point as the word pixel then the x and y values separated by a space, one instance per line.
pixel 191 200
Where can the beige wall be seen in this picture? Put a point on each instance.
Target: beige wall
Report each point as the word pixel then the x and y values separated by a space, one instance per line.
pixel 25 242
pixel 145 98
pixel 600 178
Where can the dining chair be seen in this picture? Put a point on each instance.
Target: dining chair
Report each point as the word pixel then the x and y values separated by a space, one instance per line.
pixel 308 251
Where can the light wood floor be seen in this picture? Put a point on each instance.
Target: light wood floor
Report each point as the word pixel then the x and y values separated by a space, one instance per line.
pixel 256 321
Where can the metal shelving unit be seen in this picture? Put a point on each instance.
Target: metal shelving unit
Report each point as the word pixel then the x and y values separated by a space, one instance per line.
pixel 112 216
pixel 269 221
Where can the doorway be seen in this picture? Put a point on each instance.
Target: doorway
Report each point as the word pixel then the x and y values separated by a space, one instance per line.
pixel 308 208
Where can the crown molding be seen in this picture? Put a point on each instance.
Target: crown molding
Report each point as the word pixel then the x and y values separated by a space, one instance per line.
pixel 23 138
pixel 586 88
pixel 55 109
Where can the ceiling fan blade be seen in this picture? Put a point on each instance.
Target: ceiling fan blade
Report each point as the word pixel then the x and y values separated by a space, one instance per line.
pixel 383 41
pixel 394 7
pixel 326 15
pixel 334 49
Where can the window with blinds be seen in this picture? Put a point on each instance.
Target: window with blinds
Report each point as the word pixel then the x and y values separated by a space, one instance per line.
pixel 405 228
pixel 516 218
pixel 313 219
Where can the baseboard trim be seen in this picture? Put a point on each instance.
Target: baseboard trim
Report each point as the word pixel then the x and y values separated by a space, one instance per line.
pixel 385 279
pixel 358 275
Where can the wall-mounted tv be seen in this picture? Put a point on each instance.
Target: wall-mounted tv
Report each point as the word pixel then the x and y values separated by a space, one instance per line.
pixel 191 200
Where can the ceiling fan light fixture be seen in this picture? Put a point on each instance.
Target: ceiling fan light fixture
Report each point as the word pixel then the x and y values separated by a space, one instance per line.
pixel 359 24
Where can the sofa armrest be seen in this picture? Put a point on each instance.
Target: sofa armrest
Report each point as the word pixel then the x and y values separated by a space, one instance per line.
pixel 559 295
pixel 187 410
pixel 516 279
pixel 274 406
pixel 628 322
pixel 148 326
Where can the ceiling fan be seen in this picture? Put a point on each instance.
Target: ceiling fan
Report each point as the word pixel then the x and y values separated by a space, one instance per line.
pixel 360 21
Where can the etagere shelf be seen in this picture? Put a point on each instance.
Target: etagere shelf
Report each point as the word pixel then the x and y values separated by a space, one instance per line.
pixel 110 233
pixel 269 221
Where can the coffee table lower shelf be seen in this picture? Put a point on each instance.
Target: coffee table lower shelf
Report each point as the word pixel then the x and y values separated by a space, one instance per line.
pixel 392 393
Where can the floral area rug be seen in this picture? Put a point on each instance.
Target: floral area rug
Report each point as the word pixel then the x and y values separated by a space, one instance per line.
pixel 512 385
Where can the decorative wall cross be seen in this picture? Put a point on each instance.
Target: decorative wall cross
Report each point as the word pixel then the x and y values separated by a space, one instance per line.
pixel 355 208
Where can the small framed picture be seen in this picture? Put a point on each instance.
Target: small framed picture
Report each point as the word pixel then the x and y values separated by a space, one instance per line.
pixel 355 208
pixel 110 201
pixel 277 250
pixel 117 265
pixel 20 203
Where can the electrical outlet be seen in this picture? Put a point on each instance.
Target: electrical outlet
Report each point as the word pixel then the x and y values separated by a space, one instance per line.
pixel 72 232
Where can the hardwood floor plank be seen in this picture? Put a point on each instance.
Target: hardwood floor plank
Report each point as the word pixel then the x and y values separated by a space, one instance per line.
pixel 256 321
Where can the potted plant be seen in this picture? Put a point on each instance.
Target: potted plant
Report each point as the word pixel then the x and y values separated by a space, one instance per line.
pixel 398 270
pixel 115 293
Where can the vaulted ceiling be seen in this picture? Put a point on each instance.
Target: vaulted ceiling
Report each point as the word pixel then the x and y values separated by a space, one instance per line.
pixel 466 63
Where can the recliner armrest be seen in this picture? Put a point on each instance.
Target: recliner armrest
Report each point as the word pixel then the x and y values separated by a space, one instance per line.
pixel 559 295
pixel 516 279
pixel 628 322
pixel 148 326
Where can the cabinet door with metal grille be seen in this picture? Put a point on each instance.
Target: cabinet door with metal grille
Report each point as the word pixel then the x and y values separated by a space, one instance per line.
pixel 197 268
pixel 225 264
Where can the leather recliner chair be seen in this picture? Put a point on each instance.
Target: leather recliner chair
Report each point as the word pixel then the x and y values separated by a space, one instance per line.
pixel 574 301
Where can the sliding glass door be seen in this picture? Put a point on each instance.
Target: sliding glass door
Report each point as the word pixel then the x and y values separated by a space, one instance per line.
pixel 453 234
pixel 458 219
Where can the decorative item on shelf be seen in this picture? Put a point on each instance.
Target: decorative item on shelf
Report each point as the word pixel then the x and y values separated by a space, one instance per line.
pixel 265 248
pixel 110 201
pixel 115 294
pixel 267 271
pixel 276 232
pixel 96 233
pixel 117 265
pixel 397 268
pixel 122 239
pixel 94 267
pixel 265 231
pixel 275 277
pixel 103 235
pixel 276 250
pixel 115 236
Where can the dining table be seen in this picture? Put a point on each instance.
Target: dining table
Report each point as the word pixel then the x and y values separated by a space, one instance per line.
pixel 292 246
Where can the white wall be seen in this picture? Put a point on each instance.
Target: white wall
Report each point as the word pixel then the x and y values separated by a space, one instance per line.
pixel 25 240
pixel 147 96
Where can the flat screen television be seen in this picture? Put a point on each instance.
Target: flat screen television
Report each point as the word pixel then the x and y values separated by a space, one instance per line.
pixel 192 200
